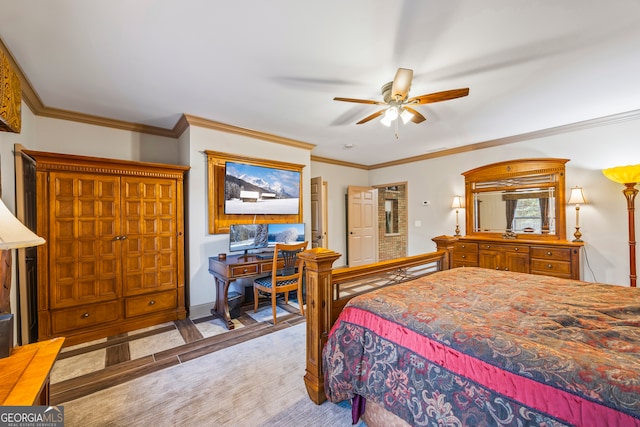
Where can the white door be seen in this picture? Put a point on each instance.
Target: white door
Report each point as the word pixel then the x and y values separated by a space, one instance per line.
pixel 362 225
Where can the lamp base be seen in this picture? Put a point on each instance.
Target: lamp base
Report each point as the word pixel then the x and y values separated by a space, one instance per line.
pixel 6 335
pixel 577 235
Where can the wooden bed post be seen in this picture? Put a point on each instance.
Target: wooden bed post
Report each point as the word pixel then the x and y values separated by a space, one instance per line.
pixel 319 263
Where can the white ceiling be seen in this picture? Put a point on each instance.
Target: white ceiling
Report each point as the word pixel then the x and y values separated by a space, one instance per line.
pixel 275 66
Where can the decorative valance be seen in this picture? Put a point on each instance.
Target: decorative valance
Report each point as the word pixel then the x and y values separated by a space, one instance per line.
pixel 10 96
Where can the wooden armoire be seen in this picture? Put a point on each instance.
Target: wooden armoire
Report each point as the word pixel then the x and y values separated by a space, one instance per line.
pixel 114 257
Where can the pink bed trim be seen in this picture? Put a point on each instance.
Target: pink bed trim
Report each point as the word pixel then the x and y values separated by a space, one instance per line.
pixel 564 406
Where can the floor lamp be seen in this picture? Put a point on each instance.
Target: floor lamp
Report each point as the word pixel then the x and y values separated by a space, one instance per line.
pixel 629 176
pixel 13 235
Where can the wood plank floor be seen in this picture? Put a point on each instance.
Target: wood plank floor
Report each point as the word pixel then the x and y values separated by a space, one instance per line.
pixel 116 364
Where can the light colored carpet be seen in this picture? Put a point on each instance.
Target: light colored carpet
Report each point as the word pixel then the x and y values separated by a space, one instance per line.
pixel 255 383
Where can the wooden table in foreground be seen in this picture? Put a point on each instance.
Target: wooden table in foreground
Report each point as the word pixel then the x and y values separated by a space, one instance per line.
pixel 24 375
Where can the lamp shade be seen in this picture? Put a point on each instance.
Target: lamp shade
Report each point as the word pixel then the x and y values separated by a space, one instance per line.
pixel 13 234
pixel 457 202
pixel 623 174
pixel 576 197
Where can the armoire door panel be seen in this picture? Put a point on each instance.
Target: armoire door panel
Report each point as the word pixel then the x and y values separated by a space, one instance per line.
pixel 84 224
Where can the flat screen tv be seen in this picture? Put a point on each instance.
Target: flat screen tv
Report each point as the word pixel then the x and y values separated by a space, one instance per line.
pixel 246 237
pixel 260 190
pixel 285 233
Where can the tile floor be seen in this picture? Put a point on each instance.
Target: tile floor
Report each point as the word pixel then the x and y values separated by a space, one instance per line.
pixel 94 365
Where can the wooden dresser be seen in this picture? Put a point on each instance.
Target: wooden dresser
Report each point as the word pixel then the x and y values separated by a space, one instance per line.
pixel 114 257
pixel 549 258
pixel 501 236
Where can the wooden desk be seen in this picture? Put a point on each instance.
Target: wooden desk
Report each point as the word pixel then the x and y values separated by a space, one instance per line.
pixel 226 271
pixel 24 375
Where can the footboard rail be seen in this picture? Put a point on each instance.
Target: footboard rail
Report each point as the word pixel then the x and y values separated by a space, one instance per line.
pixel 329 290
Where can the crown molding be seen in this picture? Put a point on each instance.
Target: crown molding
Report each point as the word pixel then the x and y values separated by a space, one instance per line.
pixel 222 127
pixel 338 162
pixel 572 127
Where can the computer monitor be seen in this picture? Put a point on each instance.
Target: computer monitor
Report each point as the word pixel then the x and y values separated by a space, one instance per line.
pixel 246 237
pixel 285 233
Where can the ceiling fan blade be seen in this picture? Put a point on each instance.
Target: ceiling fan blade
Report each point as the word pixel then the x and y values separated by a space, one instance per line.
pixel 360 101
pixel 439 96
pixel 417 116
pixel 371 117
pixel 401 83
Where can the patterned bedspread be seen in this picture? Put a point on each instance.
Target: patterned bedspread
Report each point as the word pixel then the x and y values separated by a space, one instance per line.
pixel 473 346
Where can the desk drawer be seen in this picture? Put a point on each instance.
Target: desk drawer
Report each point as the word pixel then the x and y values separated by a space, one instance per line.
pixel 245 270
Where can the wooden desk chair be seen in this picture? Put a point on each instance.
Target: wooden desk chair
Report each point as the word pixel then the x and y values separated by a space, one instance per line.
pixel 287 279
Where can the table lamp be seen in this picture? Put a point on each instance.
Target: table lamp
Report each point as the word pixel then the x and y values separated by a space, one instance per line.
pixel 576 197
pixel 13 235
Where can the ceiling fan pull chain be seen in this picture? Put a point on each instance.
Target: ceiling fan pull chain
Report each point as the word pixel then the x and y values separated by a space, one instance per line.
pixel 397 136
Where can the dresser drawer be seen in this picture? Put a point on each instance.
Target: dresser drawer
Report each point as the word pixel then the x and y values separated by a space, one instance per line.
pixel 465 247
pixel 524 249
pixel 245 270
pixel 83 317
pixel 145 304
pixel 547 252
pixel 465 257
pixel 551 268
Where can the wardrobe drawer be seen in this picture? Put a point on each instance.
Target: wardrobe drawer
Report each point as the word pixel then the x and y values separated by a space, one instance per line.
pixel 83 317
pixel 151 303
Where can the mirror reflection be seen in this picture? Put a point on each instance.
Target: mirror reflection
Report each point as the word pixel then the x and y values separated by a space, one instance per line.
pixel 526 211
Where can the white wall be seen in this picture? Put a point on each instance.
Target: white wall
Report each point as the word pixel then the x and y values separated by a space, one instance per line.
pixel 203 245
pixel 603 221
pixel 338 178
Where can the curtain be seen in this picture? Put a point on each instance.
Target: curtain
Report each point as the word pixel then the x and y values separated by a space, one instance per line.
pixel 511 212
pixel 544 214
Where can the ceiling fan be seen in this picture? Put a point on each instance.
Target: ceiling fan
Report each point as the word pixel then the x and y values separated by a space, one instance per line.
pixel 397 102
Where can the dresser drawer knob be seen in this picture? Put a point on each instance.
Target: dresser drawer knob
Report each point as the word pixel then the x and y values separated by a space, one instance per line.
pixel 506 269
pixel 549 253
pixel 497 268
pixel 85 315
pixel 464 256
pixel 152 302
pixel 464 246
pixel 549 266
pixel 244 271
pixel 516 249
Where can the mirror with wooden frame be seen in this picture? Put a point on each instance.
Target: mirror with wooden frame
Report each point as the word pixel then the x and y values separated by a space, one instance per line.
pixel 517 199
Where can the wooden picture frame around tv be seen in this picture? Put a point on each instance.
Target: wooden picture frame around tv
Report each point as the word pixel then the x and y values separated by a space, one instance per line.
pixel 219 221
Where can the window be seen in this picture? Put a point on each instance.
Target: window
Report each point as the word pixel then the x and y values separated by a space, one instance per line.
pixel 527 216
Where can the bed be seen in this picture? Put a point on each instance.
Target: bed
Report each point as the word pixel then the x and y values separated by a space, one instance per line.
pixel 474 346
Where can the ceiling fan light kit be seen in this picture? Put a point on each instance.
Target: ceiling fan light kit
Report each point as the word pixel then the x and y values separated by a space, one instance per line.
pixel 397 101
